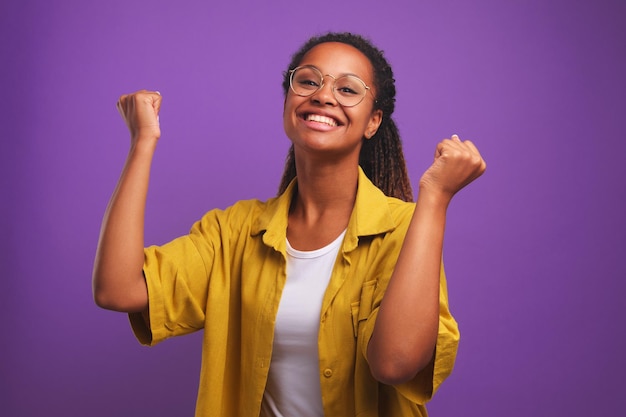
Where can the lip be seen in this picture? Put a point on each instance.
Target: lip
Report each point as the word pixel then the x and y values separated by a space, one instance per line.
pixel 304 115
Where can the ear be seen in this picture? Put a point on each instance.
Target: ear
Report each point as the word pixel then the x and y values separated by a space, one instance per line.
pixel 374 122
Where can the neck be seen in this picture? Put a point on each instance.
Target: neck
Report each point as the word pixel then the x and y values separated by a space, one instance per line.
pixel 325 187
pixel 322 205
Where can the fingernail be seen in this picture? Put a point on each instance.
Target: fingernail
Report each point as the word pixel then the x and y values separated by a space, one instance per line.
pixel 455 136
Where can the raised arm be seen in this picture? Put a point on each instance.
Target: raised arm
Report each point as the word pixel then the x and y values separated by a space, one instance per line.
pixel 118 282
pixel 405 333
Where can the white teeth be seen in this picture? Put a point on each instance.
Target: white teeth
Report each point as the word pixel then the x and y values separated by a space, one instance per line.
pixel 321 119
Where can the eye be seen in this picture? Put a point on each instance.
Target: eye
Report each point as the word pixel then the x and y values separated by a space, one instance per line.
pixel 307 83
pixel 349 86
pixel 307 79
pixel 347 91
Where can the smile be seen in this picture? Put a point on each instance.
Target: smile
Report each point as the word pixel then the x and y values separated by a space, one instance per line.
pixel 320 119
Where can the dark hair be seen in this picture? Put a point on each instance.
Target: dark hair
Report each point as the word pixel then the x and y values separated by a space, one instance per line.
pixel 381 156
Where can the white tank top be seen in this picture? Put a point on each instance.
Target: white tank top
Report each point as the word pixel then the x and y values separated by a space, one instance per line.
pixel 293 384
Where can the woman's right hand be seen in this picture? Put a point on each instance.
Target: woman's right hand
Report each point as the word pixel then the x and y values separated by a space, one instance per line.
pixel 140 111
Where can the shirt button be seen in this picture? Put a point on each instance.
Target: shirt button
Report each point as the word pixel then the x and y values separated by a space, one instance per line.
pixel 328 373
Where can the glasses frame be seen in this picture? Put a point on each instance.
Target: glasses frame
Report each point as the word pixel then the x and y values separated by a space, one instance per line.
pixel 322 76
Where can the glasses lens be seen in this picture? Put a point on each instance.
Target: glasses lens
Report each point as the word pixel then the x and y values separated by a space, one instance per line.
pixel 305 81
pixel 349 90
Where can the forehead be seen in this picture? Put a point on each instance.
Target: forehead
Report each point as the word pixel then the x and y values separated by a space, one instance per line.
pixel 337 59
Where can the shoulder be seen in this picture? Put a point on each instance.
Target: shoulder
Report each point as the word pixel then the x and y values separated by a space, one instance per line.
pixel 253 216
pixel 238 212
pixel 399 209
pixel 376 213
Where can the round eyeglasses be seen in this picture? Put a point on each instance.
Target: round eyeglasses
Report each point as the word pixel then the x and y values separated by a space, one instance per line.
pixel 349 90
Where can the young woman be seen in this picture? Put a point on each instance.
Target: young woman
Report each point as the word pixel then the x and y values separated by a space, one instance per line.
pixel 328 300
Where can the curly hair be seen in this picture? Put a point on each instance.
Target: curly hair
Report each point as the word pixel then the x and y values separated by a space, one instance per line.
pixel 381 157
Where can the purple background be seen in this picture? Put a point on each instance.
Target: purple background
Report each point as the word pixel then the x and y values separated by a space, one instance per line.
pixel 534 249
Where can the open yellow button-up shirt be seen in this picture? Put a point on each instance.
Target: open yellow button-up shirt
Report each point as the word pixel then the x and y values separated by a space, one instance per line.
pixel 226 277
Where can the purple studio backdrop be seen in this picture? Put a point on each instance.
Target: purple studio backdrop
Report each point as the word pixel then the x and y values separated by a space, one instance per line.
pixel 534 249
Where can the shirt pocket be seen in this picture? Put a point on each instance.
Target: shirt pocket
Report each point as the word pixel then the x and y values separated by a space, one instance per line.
pixel 362 308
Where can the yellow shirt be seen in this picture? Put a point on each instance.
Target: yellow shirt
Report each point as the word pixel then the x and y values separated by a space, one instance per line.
pixel 226 278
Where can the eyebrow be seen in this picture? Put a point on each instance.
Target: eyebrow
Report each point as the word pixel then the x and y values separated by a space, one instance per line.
pixel 337 76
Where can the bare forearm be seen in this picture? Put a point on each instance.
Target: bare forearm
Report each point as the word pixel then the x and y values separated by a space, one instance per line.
pixel 406 328
pixel 118 281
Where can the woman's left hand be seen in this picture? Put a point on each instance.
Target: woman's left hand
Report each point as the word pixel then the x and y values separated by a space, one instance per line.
pixel 457 163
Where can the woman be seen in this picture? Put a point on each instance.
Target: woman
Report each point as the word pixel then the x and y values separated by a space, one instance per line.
pixel 329 299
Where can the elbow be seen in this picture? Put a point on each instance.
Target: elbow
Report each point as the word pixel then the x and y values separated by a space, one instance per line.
pixel 101 296
pixel 103 300
pixel 127 300
pixel 122 305
pixel 398 370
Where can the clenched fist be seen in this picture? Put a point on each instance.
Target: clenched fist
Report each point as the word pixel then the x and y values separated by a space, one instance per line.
pixel 457 163
pixel 140 111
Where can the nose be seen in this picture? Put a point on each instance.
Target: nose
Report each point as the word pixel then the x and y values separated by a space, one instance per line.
pixel 326 94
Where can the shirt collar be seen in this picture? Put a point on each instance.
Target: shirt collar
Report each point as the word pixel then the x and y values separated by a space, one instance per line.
pixel 371 216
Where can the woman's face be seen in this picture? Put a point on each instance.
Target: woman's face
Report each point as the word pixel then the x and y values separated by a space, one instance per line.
pixel 318 123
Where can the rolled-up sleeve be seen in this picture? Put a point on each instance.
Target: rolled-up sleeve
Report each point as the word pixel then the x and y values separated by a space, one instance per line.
pixel 177 282
pixel 423 386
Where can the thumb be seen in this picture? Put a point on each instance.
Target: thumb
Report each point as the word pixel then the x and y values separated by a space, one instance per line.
pixel 156 104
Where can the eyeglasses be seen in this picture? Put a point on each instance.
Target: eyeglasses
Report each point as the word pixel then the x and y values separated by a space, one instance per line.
pixel 349 90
